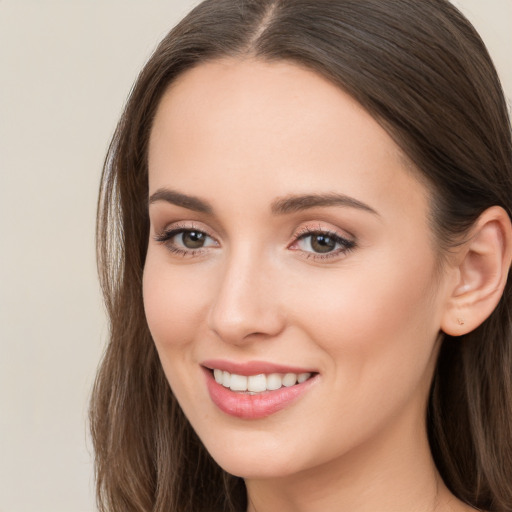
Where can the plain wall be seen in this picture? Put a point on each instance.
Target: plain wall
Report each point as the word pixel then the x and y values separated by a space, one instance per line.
pixel 66 68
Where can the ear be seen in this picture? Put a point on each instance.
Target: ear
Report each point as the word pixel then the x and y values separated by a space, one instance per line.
pixel 481 270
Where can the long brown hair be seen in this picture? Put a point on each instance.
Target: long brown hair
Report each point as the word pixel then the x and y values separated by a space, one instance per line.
pixel 421 70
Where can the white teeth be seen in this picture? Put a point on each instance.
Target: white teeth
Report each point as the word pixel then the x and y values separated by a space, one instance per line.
pixel 290 379
pixel 218 375
pixel 303 377
pixel 238 382
pixel 274 381
pixel 258 383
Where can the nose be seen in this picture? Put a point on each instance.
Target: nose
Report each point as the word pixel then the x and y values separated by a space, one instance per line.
pixel 246 306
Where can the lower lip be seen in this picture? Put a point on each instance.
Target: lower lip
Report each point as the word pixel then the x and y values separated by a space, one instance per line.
pixel 252 407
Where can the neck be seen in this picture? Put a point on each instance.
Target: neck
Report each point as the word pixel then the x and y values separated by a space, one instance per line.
pixel 392 473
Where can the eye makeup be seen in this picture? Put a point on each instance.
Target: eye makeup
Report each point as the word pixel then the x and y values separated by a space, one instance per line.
pixel 186 240
pixel 320 243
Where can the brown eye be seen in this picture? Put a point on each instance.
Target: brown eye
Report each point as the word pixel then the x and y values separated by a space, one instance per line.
pixel 185 241
pixel 193 239
pixel 322 243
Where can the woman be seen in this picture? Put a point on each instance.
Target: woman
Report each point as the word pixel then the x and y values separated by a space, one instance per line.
pixel 304 242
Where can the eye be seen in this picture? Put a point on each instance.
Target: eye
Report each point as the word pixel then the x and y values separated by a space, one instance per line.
pixel 185 241
pixel 191 239
pixel 320 243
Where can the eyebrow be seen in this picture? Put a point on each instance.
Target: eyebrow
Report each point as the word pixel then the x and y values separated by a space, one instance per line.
pixel 183 200
pixel 282 206
pixel 291 204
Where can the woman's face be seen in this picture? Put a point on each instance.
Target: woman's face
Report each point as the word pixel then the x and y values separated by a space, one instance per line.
pixel 290 251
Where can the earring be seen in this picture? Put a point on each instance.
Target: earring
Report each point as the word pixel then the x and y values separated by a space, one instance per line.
pixel 460 321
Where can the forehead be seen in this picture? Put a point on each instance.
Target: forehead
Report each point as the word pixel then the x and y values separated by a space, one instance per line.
pixel 268 99
pixel 269 129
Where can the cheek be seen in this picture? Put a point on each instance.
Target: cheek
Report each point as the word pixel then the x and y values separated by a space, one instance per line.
pixel 376 321
pixel 174 301
pixel 174 306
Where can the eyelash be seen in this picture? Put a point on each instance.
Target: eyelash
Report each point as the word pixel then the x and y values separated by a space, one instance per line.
pixel 345 244
pixel 167 235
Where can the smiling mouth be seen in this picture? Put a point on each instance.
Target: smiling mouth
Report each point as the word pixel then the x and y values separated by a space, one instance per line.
pixel 264 389
pixel 261 383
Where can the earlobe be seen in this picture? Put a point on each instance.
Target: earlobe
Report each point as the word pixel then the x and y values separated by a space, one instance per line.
pixel 482 270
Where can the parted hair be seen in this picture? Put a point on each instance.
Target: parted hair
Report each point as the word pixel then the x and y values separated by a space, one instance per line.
pixel 421 70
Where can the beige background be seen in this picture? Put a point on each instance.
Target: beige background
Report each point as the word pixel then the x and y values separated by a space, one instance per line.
pixel 66 67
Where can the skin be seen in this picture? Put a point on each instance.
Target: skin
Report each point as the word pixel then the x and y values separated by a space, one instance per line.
pixel 241 135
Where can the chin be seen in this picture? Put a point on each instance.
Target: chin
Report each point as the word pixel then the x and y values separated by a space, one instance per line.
pixel 255 458
pixel 255 469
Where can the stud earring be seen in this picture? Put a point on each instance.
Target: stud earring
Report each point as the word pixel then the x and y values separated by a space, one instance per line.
pixel 460 321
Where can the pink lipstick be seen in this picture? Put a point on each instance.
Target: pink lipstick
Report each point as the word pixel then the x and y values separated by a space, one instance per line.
pixel 255 389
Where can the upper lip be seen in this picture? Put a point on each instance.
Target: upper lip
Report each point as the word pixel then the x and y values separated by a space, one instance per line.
pixel 252 367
